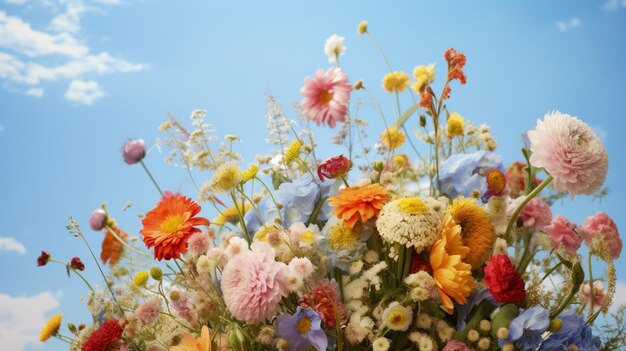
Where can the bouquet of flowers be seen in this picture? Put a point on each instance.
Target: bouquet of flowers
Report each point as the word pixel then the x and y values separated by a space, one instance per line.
pixel 390 247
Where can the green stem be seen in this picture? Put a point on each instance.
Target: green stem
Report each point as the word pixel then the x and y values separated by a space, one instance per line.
pixel 271 196
pixel 75 271
pixel 121 241
pixel 550 271
pixel 519 208
pixel 151 177
pixel 591 297
pixel 241 220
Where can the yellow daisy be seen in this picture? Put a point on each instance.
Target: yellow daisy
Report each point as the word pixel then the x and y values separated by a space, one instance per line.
pixel 231 215
pixel 51 328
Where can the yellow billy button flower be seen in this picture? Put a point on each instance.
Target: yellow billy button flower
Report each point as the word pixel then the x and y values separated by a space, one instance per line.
pixel 51 328
pixel 456 122
pixel 423 75
pixel 140 279
pixel 249 173
pixel 292 152
pixel 362 28
pixel 395 82
pixel 392 137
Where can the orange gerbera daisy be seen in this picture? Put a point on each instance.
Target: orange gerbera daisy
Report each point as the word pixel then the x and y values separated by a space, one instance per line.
pixel 453 277
pixel 168 226
pixel 190 343
pixel 359 204
pixel 112 247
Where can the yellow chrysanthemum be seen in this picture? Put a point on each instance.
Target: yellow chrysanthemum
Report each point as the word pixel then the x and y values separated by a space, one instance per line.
pixel 395 82
pixel 190 343
pixel 362 28
pixel 249 173
pixel 51 328
pixel 231 215
pixel 476 230
pixel 226 177
pixel 292 152
pixel 452 276
pixel 392 137
pixel 456 122
pixel 423 75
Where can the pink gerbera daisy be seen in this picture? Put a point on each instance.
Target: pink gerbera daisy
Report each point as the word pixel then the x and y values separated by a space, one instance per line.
pixel 571 152
pixel 326 96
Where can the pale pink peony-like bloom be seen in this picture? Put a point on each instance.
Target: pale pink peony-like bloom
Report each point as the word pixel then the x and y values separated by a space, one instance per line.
pixel 199 243
pixel 302 266
pixel 562 231
pixel 601 224
pixel 326 96
pixel 599 295
pixel 148 312
pixel 253 284
pixel 535 215
pixel 570 151
pixel 455 345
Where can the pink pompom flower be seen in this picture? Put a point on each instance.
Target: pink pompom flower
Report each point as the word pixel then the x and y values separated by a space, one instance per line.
pixel 199 243
pixel 253 284
pixel 148 312
pixel 134 151
pixel 326 96
pixel 562 231
pixel 571 152
pixel 455 345
pixel 535 215
pixel 601 224
pixel 98 219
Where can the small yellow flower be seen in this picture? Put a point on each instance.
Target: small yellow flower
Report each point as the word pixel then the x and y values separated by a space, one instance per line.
pixel 358 85
pixel 392 137
pixel 293 151
pixel 165 126
pixel 423 75
pixel 226 177
pixel 412 205
pixel 51 328
pixel 140 279
pixel 341 237
pixel 231 214
pixel 362 28
pixel 401 160
pixel 396 82
pixel 456 122
pixel 249 173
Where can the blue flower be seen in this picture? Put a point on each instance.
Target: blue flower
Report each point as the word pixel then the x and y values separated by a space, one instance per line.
pixel 574 331
pixel 297 199
pixel 526 329
pixel 475 299
pixel 464 173
pixel 302 330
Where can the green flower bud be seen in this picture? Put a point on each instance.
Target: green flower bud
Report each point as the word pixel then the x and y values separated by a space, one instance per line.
pixel 72 328
pixel 378 165
pixel 156 273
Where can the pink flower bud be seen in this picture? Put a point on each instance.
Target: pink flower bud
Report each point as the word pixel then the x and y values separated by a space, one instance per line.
pixel 134 151
pixel 98 219
pixel 334 167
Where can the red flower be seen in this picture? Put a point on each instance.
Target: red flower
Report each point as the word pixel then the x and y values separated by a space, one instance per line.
pixel 503 281
pixel 426 99
pixel 43 259
pixel 77 264
pixel 322 299
pixel 107 338
pixel 334 167
pixel 419 263
pixel 496 183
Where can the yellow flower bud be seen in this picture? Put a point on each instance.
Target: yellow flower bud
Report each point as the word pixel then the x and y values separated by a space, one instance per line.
pixel 362 28
pixel 141 279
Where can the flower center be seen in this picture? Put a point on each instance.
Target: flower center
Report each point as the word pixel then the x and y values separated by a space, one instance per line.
pixel 342 238
pixel 326 96
pixel 412 205
pixel 172 224
pixel 307 237
pixel 304 325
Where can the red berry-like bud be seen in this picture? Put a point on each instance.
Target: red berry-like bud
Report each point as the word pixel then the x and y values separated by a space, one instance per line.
pixel 43 259
pixel 334 167
pixel 77 264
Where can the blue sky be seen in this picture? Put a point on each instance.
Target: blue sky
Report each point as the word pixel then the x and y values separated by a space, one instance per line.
pixel 78 78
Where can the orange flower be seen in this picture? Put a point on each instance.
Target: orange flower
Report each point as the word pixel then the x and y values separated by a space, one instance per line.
pixel 453 277
pixel 168 226
pixel 190 343
pixel 111 247
pixel 359 204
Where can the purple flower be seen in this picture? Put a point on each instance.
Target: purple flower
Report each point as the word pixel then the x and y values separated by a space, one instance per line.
pixel 464 173
pixel 302 330
pixel 574 331
pixel 134 151
pixel 526 329
pixel 98 219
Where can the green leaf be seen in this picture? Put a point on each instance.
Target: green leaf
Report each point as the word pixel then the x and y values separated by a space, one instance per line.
pixel 406 116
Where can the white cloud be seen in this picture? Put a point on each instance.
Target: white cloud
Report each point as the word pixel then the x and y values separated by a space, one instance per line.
pixel 31 56
pixel 84 92
pixel 36 92
pixel 620 296
pixel 9 244
pixel 564 26
pixel 614 5
pixel 21 318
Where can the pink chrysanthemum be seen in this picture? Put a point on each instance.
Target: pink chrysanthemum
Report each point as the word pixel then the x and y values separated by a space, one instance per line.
pixel 148 312
pixel 326 96
pixel 601 224
pixel 199 243
pixel 571 152
pixel 253 284
pixel 562 231
pixel 301 266
pixel 535 215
